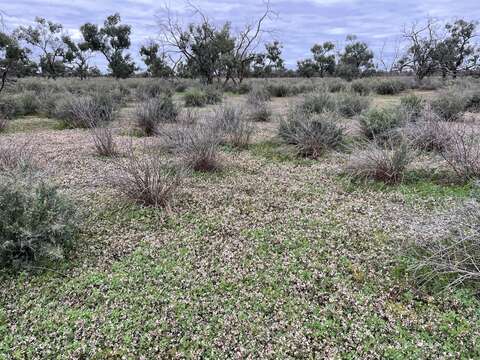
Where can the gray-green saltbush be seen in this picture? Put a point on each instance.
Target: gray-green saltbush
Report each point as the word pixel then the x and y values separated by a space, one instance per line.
pixel 450 105
pixel 312 134
pixel 195 97
pixel 36 222
pixel 350 104
pixel 378 122
pixel 389 87
pixel 319 102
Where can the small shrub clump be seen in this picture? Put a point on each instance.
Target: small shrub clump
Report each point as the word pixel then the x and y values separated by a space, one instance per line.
pixel 389 87
pixel 147 178
pixel 195 97
pixel 350 105
pixel 312 134
pixel 197 146
pixel 319 102
pixel 86 111
pixel 213 95
pixel 449 247
pixel 103 140
pixel 258 106
pixel 378 122
pixel 36 222
pixel 236 128
pixel 386 164
pixel 413 105
pixel 361 87
pixel 428 135
pixel 449 105
pixel 279 90
pixel 462 153
pixel 153 112
pixel 15 156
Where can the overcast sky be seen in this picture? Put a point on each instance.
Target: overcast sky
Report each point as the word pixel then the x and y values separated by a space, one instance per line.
pixel 298 24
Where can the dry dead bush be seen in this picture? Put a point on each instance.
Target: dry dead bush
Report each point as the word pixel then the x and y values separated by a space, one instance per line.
pixel 463 151
pixel 147 178
pixel 151 113
pixel 103 140
pixel 236 128
pixel 3 123
pixel 382 163
pixel 15 156
pixel 450 246
pixel 197 146
pixel 428 133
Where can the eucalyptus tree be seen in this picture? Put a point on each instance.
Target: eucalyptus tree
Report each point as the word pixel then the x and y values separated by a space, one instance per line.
pixel 111 41
pixel 156 61
pixel 47 37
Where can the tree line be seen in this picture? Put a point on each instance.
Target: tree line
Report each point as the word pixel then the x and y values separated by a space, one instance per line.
pixel 212 53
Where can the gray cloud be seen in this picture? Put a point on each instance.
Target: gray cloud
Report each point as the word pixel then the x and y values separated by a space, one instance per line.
pixel 298 24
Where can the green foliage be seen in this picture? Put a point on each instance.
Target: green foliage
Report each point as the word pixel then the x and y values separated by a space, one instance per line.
pixel 195 97
pixel 111 40
pixel 361 86
pixel 377 122
pixel 46 37
pixel 350 105
pixel 156 63
pixel 389 87
pixel 36 222
pixel 449 105
pixel 319 102
pixel 356 59
pixel 413 104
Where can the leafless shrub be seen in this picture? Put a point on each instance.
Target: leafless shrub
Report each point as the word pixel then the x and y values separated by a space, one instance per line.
pixel 387 164
pixel 15 156
pixel 450 246
pixel 3 123
pixel 103 140
pixel 197 146
pixel 85 111
pixel 258 95
pixel 153 112
pixel 147 178
pixel 463 152
pixel 235 127
pixel 428 134
pixel 188 117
